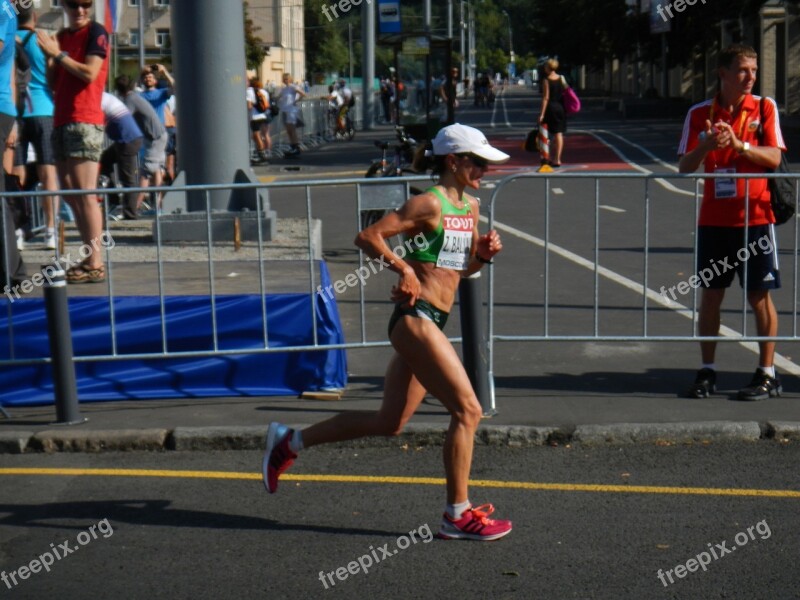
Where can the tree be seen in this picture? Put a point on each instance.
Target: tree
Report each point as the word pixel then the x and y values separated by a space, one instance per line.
pixel 326 40
pixel 253 45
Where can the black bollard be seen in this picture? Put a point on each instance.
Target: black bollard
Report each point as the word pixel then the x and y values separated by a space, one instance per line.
pixel 60 334
pixel 474 348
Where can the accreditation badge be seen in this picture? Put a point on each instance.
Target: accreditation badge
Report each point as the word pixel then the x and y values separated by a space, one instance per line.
pixel 725 187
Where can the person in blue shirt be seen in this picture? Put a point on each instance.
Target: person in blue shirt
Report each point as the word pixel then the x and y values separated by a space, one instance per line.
pixel 8 114
pixel 8 87
pixel 36 124
pixel 155 95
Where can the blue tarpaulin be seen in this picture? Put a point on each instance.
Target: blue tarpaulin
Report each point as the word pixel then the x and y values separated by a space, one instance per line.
pixel 188 328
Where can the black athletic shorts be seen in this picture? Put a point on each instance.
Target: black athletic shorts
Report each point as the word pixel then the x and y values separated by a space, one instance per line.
pixel 421 310
pixel 723 252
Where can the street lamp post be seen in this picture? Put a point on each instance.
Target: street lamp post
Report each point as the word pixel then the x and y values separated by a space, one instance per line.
pixel 510 43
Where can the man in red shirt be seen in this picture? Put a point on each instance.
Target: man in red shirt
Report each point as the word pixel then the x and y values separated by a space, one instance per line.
pixel 77 69
pixel 735 132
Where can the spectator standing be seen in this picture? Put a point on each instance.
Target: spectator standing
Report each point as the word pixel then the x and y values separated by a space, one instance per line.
pixel 171 123
pixel 287 102
pixel 36 124
pixel 153 165
pixel 155 135
pixel 155 95
pixel 10 262
pixel 552 113
pixel 77 70
pixel 121 128
pixel 727 134
pixel 387 95
pixel 448 93
pixel 259 119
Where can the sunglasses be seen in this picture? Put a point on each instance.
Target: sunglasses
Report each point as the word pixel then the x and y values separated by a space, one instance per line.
pixel 77 5
pixel 479 162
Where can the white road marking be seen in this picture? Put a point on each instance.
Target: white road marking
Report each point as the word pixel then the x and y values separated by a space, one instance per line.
pixel 780 361
pixel 663 183
pixel 612 208
pixel 557 191
pixel 502 101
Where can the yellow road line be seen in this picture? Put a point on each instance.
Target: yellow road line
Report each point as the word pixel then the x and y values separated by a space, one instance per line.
pixel 306 175
pixel 522 485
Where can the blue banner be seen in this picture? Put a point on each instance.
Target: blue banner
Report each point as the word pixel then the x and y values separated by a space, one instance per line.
pixel 188 328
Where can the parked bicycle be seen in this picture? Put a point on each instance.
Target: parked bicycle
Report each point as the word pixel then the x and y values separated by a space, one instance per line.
pixel 401 161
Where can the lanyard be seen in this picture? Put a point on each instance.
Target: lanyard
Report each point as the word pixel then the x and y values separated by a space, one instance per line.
pixel 742 118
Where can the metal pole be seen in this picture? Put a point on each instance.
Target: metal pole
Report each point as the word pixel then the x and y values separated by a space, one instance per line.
pixel 60 335
pixel 208 55
pixel 368 62
pixel 141 35
pixel 474 347
pixel 462 26
pixel 450 20
pixel 427 23
pixel 292 40
pixel 471 41
pixel 350 49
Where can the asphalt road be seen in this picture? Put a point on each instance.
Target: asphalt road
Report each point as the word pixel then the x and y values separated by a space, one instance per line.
pixel 603 528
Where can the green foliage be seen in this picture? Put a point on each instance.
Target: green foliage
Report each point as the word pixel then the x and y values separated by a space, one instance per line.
pixel 253 45
pixel 326 40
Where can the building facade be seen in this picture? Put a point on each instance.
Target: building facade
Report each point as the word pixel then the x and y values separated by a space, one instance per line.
pixel 143 34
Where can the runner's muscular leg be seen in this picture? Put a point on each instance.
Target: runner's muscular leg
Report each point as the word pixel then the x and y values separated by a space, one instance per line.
pixel 401 396
pixel 437 367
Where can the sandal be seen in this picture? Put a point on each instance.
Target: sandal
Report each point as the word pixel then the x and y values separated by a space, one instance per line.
pixel 83 274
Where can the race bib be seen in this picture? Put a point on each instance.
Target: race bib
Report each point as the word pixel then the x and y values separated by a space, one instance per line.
pixel 724 187
pixel 457 242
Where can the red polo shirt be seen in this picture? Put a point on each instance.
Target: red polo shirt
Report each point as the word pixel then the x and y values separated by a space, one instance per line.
pixel 745 120
pixel 76 100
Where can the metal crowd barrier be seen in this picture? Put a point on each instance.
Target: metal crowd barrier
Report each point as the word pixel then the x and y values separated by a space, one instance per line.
pixel 318 124
pixel 649 323
pixel 378 194
pixel 385 194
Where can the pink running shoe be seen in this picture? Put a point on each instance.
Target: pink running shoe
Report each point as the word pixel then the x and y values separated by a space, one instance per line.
pixel 278 457
pixel 474 524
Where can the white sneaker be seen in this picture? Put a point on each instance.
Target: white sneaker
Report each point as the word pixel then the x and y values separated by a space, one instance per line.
pixel 20 239
pixel 50 241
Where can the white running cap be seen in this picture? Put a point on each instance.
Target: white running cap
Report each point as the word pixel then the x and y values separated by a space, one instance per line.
pixel 462 139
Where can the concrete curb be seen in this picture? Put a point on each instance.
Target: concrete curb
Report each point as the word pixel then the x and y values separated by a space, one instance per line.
pixel 252 437
pixel 677 433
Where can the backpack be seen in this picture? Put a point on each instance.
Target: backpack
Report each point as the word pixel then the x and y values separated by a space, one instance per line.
pixel 22 64
pixel 262 105
pixel 781 191
pixel 352 102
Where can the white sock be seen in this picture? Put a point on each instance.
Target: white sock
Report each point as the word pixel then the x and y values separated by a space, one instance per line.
pixel 454 511
pixel 51 231
pixel 296 441
pixel 769 370
pixel 711 366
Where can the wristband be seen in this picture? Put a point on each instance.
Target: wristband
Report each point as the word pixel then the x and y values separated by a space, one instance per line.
pixel 60 56
pixel 483 260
